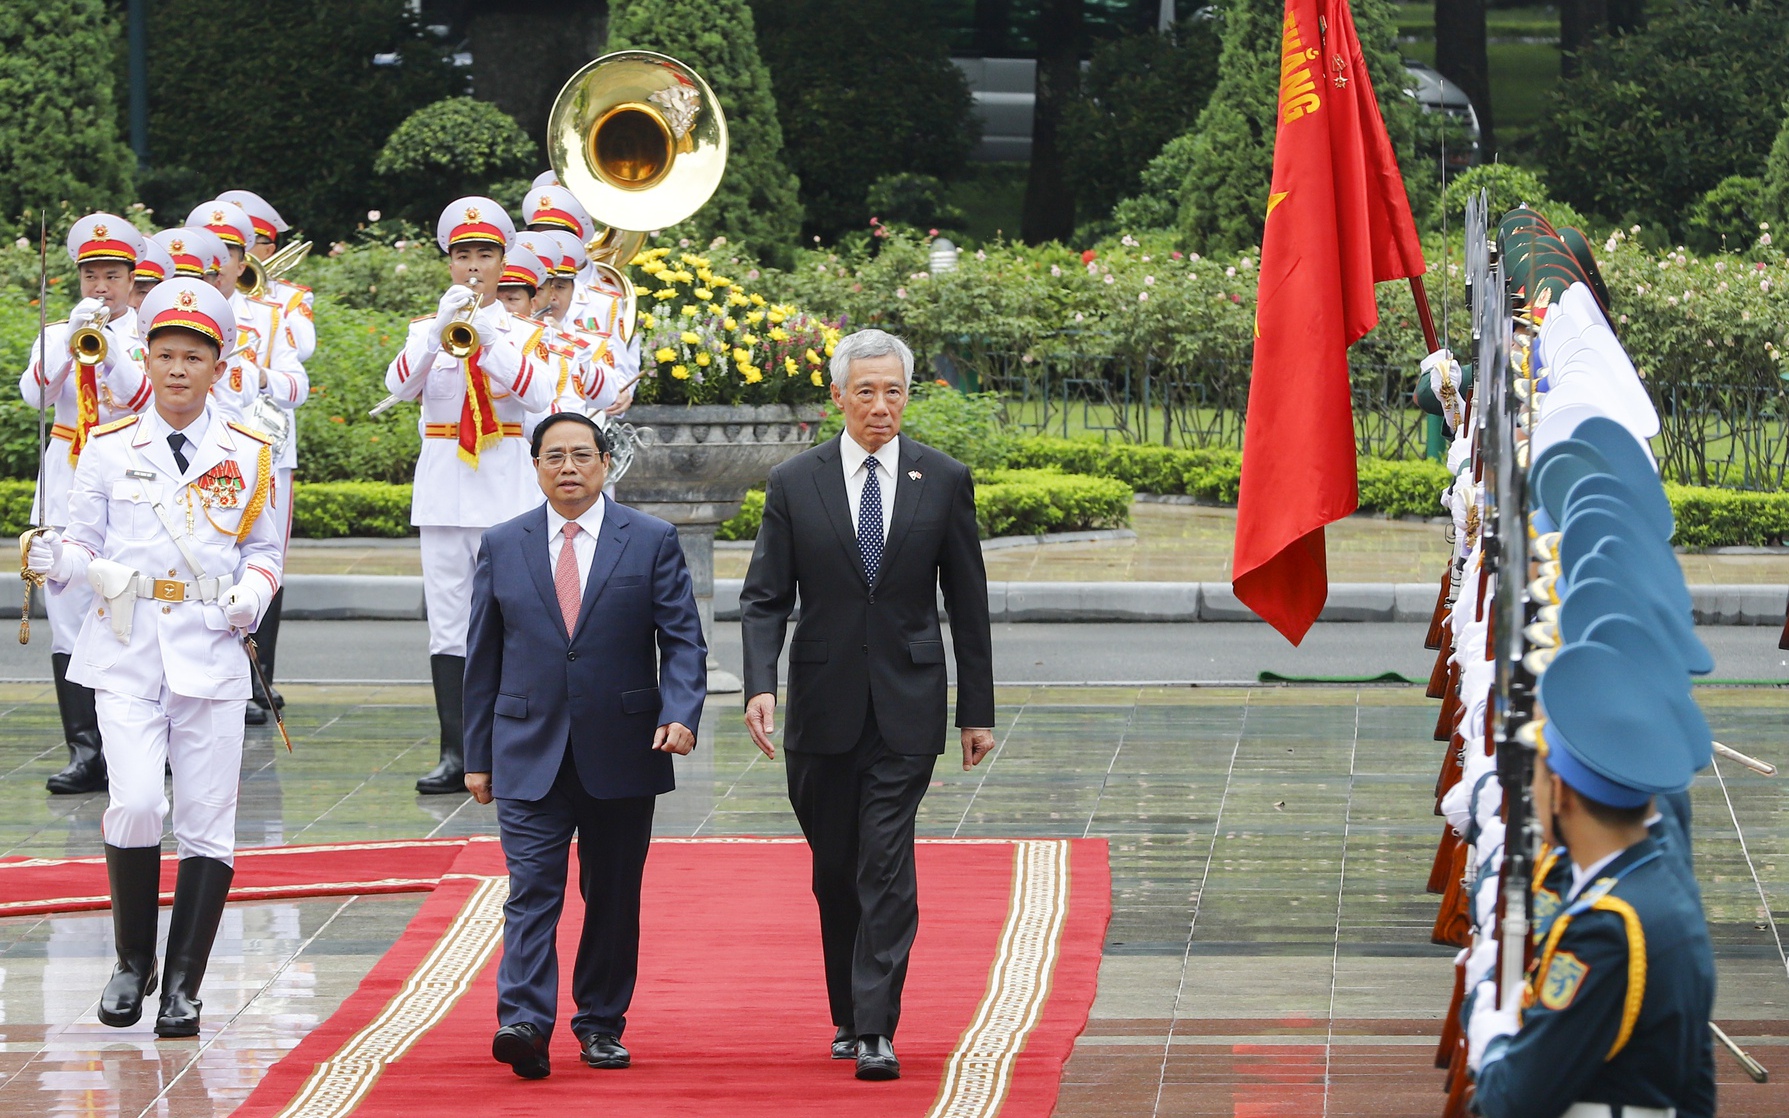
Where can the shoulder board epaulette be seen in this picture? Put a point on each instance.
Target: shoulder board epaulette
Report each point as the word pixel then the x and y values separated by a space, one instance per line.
pixel 266 302
pixel 115 425
pixel 422 318
pixel 296 286
pixel 258 436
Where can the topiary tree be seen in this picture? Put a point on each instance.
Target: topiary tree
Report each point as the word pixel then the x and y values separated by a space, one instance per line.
pixel 1657 118
pixel 1509 186
pixel 1156 205
pixel 826 97
pixel 1139 92
pixel 59 140
pixel 1776 175
pixel 452 148
pixel 301 118
pixel 757 206
pixel 1223 202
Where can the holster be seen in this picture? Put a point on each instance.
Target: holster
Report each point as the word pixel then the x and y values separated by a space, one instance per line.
pixel 117 584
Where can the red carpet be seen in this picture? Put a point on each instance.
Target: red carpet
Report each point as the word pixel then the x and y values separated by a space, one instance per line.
pixel 730 1014
pixel 32 886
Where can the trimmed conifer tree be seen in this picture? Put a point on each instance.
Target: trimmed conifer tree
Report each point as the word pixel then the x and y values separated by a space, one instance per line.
pixel 59 140
pixel 756 206
pixel 1223 203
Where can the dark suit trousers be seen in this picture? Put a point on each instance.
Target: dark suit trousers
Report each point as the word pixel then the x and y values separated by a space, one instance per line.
pixel 613 837
pixel 856 809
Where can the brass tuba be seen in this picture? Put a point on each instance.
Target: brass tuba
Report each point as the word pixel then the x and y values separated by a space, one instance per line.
pixel 88 345
pixel 641 142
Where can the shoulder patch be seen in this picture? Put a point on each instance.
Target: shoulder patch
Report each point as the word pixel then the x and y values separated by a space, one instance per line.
pixel 249 431
pixel 115 425
pixel 1565 975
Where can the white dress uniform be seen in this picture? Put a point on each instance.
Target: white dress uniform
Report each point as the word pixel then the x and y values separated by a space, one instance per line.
pixel 597 309
pixel 118 389
pixel 293 299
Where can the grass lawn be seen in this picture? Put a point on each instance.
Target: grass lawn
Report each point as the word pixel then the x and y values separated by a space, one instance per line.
pixel 1523 53
pixel 992 197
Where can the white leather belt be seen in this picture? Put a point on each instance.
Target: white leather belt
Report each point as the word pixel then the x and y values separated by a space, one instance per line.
pixel 1605 1110
pixel 173 590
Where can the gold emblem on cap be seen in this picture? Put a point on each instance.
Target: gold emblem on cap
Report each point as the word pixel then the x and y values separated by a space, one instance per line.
pixel 186 300
pixel 471 213
pixel 217 217
pixel 177 246
pixel 99 232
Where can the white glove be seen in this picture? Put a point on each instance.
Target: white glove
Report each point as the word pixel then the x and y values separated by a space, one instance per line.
pixel 1480 960
pixel 453 301
pixel 1487 1023
pixel 1456 805
pixel 241 606
pixel 1444 381
pixel 44 552
pixel 84 313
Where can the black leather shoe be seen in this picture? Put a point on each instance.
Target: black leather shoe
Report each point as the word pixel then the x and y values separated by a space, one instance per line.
pixel 876 1058
pixel 135 877
pixel 603 1050
pixel 86 768
pixel 844 1044
pixel 253 715
pixel 449 777
pixel 522 1048
pixel 200 890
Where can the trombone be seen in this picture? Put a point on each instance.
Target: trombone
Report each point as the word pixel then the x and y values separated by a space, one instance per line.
pixel 88 345
pixel 258 275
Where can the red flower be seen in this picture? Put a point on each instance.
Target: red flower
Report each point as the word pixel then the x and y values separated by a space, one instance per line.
pixel 1089 256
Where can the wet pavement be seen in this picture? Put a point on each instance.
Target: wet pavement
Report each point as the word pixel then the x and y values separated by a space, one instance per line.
pixel 1268 954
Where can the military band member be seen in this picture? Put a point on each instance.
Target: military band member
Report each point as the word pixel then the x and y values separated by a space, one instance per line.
pixel 294 299
pixel 153 266
pixel 105 249
pixel 270 368
pixel 474 470
pixel 174 523
pixel 196 253
pixel 1614 1019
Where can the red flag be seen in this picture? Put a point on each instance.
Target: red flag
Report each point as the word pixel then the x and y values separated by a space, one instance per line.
pixel 1337 222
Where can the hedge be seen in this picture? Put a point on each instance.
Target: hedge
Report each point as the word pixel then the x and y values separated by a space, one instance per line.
pixel 1394 488
pixel 1007 503
pixel 1030 501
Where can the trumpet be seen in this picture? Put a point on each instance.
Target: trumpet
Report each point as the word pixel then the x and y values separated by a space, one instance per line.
pixel 459 338
pixel 88 345
pixel 258 275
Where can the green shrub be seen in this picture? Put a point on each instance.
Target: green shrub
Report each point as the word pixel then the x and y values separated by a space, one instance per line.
pixel 1725 518
pixel 1032 502
pixel 744 525
pixel 447 150
pixel 1156 205
pixel 909 199
pixel 59 141
pixel 1402 488
pixel 1509 186
pixel 15 506
pixel 328 510
pixel 391 267
pixel 1728 218
pixel 756 204
pixel 1658 117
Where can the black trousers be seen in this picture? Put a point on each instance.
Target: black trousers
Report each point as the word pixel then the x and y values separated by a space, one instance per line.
pixel 613 838
pixel 856 809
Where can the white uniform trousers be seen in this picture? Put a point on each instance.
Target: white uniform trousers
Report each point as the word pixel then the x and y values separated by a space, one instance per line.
pixel 449 558
pixel 202 740
pixel 67 607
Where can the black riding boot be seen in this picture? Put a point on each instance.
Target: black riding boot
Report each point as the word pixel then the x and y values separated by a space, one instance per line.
pixel 199 894
pixel 86 768
pixel 135 874
pixel 267 639
pixel 449 674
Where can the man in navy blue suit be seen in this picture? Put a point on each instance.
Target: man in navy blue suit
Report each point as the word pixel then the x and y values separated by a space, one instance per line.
pixel 583 675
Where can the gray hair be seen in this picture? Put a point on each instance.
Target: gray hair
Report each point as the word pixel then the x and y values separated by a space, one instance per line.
pixel 868 342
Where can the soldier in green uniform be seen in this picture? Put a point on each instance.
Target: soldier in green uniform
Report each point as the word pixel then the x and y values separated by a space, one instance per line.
pixel 1614 1021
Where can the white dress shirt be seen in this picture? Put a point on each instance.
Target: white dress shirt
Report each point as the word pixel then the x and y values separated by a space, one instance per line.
pixel 888 460
pixel 1585 875
pixel 583 544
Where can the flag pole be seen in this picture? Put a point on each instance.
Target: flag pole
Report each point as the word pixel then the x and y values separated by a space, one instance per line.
pixel 1423 315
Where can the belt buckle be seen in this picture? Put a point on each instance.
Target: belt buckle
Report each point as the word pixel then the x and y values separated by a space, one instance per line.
pixel 168 590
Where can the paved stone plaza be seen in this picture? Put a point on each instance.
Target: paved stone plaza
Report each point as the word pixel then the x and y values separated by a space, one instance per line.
pixel 1268 954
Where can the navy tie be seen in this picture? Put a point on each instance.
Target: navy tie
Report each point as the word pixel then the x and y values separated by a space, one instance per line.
pixel 177 444
pixel 869 522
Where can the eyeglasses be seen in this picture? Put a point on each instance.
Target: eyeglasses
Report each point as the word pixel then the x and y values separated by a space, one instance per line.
pixel 556 459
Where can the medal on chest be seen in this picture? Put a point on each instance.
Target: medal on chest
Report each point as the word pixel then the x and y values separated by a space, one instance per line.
pixel 221 488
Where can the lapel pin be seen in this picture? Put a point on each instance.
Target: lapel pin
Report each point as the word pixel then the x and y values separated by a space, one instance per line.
pixel 915 474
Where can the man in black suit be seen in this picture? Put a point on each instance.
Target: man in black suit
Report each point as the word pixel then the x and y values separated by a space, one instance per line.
pixel 585 671
pixel 865 528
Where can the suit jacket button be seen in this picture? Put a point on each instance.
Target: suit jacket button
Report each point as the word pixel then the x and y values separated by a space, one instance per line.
pixel 872 599
pixel 866 648
pixel 571 655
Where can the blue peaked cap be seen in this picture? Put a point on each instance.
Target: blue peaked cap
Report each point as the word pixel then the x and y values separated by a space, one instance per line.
pixel 1591 597
pixel 1657 657
pixel 1599 522
pixel 1610 733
